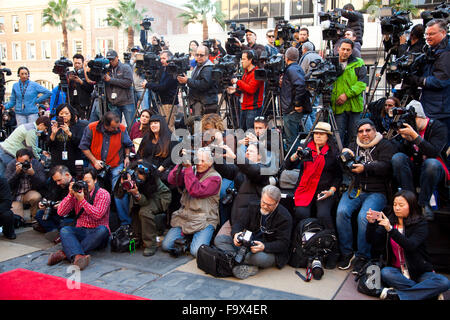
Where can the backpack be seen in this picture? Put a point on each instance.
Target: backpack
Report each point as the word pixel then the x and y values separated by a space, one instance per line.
pixel 366 279
pixel 311 240
pixel 215 261
pixel 122 240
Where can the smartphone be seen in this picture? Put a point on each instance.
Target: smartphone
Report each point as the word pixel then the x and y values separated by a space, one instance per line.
pixel 321 195
pixel 60 121
pixel 376 214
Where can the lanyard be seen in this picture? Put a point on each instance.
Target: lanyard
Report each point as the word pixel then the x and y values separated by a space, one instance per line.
pixel 22 92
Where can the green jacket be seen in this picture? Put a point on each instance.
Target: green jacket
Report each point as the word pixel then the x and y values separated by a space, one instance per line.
pixel 352 82
pixel 159 201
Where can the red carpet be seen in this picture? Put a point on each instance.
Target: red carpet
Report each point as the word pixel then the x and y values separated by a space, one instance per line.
pixel 22 284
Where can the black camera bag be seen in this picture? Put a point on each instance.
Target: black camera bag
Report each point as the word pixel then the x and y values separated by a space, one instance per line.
pixel 365 276
pixel 121 239
pixel 320 245
pixel 215 261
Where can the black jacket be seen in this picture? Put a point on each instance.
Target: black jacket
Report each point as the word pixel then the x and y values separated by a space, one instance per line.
pixel 278 236
pixel 202 87
pixel 293 90
pixel 376 170
pixel 355 22
pixel 166 88
pixel 83 91
pixel 38 180
pixel 412 241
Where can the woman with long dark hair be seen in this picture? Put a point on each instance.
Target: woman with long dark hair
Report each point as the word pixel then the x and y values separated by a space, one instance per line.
pixel 65 137
pixel 140 128
pixel 193 45
pixel 156 146
pixel 400 238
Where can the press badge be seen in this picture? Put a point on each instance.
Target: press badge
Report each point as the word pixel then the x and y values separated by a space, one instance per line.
pixel 113 95
pixel 75 93
pixel 65 155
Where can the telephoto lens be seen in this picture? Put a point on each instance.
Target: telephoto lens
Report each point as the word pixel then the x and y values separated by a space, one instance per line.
pixel 317 269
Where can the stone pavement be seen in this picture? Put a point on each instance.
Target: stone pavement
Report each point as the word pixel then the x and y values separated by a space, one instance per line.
pixel 163 277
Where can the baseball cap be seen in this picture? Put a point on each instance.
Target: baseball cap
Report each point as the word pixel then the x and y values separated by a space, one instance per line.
pixel 111 54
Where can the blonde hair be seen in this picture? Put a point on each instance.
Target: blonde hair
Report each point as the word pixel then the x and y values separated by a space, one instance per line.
pixel 214 120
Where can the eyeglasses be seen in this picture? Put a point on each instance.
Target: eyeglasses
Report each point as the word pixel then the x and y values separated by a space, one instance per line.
pixel 260 118
pixel 270 36
pixel 200 55
pixel 364 131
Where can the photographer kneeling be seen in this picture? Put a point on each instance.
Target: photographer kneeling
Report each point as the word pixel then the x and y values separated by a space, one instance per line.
pixel 320 177
pixel 149 196
pixel 199 212
pixel 91 204
pixel 425 145
pixel 260 236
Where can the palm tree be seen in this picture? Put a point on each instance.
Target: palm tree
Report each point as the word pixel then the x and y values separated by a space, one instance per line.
pixel 199 10
pixel 126 16
pixel 58 14
pixel 404 5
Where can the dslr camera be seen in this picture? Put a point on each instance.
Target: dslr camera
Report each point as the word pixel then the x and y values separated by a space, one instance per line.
pixel 48 204
pixel 305 154
pixel 231 193
pixel 348 160
pixel 79 186
pixel 180 247
pixel 104 171
pixel 98 68
pixel 26 165
pixel 245 241
pixel 127 184
pixel 178 64
pixel 402 116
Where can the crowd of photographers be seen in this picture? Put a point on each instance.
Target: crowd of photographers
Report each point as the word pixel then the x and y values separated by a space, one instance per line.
pixel 77 164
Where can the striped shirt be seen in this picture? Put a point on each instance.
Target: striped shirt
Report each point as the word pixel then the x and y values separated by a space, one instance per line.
pixel 94 215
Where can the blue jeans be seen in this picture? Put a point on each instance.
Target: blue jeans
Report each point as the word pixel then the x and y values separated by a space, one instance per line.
pixel 247 118
pixel 122 205
pixel 22 119
pixel 144 103
pixel 200 237
pixel 429 284
pixel 83 240
pixel 431 173
pixel 346 123
pixel 4 160
pixel 127 110
pixel 292 123
pixel 225 210
pixel 345 210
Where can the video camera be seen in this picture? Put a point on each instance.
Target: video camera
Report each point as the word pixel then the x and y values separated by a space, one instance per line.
pixel 442 11
pixel 273 69
pixel 178 64
pixel 284 35
pixel 231 45
pixel 98 68
pixel 396 24
pixel 225 69
pixel 323 74
pixel 405 66
pixel 245 241
pixel 149 64
pixel 61 66
pixel 147 22
pixel 332 28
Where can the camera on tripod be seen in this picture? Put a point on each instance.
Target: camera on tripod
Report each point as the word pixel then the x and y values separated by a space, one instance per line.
pixel 305 154
pixel 148 64
pixel 323 74
pixel 404 67
pixel 98 68
pixel 225 69
pixel 245 241
pixel 178 64
pixel 332 28
pixel 396 24
pixel 61 66
pixel 273 69
pixel 348 160
pixel 48 204
pixel 237 32
pixel 284 35
pixel 442 11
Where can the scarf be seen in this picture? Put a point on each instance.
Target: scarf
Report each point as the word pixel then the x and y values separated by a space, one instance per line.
pixel 310 176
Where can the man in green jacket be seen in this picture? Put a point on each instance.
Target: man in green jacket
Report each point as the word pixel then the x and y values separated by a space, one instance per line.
pixel 347 96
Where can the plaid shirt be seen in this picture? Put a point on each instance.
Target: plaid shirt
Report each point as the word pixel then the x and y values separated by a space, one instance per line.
pixel 94 215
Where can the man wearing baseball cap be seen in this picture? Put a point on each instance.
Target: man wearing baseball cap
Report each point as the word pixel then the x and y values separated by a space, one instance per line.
pixel 250 36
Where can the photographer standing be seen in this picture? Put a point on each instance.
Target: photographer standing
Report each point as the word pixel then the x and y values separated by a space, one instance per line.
pixel 251 89
pixel 435 79
pixel 295 99
pixel 302 38
pixel 202 97
pixel 250 36
pixel 270 225
pixel 119 81
pixel 166 88
pixel 419 161
pixel 349 34
pixel 415 43
pixel 370 171
pixel 355 20
pixel 79 89
pixel 24 98
pixel 347 96
pixel 271 50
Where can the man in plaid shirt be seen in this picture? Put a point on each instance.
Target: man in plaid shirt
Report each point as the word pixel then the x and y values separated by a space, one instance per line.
pixel 92 227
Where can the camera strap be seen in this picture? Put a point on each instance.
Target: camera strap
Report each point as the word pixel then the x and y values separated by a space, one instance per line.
pixel 308 274
pixel 90 200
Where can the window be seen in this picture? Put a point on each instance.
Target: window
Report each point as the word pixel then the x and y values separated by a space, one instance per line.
pixel 103 45
pixel 78 46
pixel 100 15
pixel 243 9
pixel 16 51
pixel 15 23
pixel 45 28
pixel 30 23
pixel 3 55
pixel 225 6
pixel 59 48
pixel 254 8
pixel 234 9
pixel 2 24
pixel 46 50
pixel 31 50
pixel 264 8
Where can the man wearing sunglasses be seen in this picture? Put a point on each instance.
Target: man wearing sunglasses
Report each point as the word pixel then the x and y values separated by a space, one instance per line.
pixel 202 97
pixel 271 50
pixel 270 225
pixel 369 191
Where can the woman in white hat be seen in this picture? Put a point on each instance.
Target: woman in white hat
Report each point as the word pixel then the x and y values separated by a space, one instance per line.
pixel 320 176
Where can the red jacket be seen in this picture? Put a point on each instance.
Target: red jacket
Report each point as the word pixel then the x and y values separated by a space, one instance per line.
pixel 252 90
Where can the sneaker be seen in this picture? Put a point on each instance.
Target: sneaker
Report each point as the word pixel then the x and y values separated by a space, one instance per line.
pixel 244 271
pixel 389 294
pixel 82 261
pixel 428 213
pixel 56 257
pixel 358 264
pixel 37 227
pixel 148 252
pixel 345 262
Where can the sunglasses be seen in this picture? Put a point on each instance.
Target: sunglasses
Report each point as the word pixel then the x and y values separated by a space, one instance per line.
pixel 364 131
pixel 260 118
pixel 143 168
pixel 200 55
pixel 270 36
